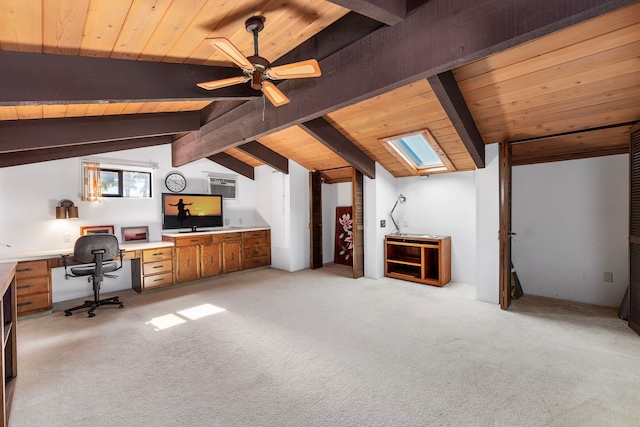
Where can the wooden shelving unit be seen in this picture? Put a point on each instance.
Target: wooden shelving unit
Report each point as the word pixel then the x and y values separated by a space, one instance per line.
pixel 418 258
pixel 9 342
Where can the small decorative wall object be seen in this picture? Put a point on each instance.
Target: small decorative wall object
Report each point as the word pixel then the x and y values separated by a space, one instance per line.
pixel 135 234
pixel 96 229
pixel 344 236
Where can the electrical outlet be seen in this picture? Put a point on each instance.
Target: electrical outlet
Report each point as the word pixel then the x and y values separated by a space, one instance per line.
pixel 66 237
pixel 608 276
pixel 383 223
pixel 240 221
pixel 405 223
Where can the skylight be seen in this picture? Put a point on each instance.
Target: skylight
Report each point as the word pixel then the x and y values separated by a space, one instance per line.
pixel 419 152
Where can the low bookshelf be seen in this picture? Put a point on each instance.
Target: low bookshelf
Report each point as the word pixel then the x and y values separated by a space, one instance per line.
pixel 422 258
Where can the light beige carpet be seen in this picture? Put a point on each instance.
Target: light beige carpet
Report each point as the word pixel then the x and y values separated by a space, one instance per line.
pixel 317 348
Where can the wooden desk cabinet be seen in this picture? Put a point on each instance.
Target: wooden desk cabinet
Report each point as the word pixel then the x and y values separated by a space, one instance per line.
pixel 33 286
pixel 418 258
pixel 9 353
pixel 206 255
pixel 257 248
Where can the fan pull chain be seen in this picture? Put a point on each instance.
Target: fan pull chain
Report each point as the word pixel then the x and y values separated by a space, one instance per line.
pixel 264 106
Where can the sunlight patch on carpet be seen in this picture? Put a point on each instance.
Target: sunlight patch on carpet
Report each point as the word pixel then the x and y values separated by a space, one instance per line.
pixel 201 311
pixel 194 313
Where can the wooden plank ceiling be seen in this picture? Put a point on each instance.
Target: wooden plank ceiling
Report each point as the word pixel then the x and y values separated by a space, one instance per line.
pixel 571 93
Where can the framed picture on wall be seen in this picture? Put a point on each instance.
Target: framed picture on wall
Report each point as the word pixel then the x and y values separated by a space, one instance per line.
pixel 135 234
pixel 96 229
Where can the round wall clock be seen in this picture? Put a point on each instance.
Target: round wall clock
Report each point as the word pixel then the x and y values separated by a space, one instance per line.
pixel 175 182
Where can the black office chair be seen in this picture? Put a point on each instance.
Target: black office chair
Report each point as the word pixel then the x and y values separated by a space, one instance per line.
pixel 94 249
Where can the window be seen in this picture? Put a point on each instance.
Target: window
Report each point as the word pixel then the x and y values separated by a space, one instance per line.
pixel 223 184
pixel 112 179
pixel 419 152
pixel 124 183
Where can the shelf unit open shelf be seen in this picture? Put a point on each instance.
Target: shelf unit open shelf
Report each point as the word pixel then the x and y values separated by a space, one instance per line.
pixel 418 258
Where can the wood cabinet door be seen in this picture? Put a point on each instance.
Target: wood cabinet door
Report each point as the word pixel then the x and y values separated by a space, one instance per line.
pixel 187 263
pixel 211 259
pixel 232 256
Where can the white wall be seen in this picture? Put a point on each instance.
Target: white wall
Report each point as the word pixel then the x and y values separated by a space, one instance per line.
pixel 379 196
pixel 571 223
pixel 443 205
pixel 300 250
pixel 31 192
pixel 487 227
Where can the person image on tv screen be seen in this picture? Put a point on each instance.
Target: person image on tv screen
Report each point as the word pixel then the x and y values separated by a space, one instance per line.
pixel 182 212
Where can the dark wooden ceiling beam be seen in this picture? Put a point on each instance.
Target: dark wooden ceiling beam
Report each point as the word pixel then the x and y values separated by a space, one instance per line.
pixel 446 88
pixel 59 153
pixel 331 138
pixel 33 78
pixel 265 155
pixel 17 135
pixel 389 12
pixel 436 37
pixel 230 162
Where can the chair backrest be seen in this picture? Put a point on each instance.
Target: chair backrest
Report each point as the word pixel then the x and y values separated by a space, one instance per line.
pixel 82 251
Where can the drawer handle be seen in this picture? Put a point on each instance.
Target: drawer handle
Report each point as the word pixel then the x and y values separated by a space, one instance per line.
pixel 193 240
pixel 158 266
pixel 24 287
pixel 20 304
pixel 22 270
pixel 157 280
pixel 157 254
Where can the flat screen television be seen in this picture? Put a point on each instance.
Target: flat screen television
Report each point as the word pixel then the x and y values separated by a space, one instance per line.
pixel 191 211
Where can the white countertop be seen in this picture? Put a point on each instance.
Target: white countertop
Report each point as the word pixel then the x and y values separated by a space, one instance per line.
pixel 214 231
pixel 52 253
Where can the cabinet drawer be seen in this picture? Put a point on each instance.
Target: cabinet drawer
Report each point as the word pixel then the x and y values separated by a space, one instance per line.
pixel 226 237
pixel 254 243
pixel 157 267
pixel 260 234
pixel 32 285
pixel 195 240
pixel 260 261
pixel 158 254
pixel 32 268
pixel 33 302
pixel 127 255
pixel 158 280
pixel 256 252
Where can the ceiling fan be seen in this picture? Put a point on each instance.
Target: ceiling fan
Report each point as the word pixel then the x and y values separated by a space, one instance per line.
pixel 257 69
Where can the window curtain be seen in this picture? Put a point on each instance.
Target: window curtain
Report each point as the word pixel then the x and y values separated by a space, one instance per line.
pixel 92 191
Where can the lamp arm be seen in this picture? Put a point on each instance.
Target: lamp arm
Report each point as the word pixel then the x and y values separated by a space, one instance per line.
pixel 397 228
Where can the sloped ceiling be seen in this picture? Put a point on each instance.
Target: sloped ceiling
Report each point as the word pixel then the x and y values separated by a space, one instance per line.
pixel 86 76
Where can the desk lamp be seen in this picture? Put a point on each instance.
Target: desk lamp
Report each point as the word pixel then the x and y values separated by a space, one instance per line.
pixel 401 199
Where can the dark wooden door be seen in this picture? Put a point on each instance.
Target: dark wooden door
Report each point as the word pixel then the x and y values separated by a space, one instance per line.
pixel 505 225
pixel 634 230
pixel 315 218
pixel 357 182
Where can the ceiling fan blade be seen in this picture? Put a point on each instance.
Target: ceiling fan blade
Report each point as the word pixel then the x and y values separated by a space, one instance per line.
pixel 274 94
pixel 217 84
pixel 297 70
pixel 232 52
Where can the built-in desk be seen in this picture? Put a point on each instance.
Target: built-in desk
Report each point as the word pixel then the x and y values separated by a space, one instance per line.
pixel 153 264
